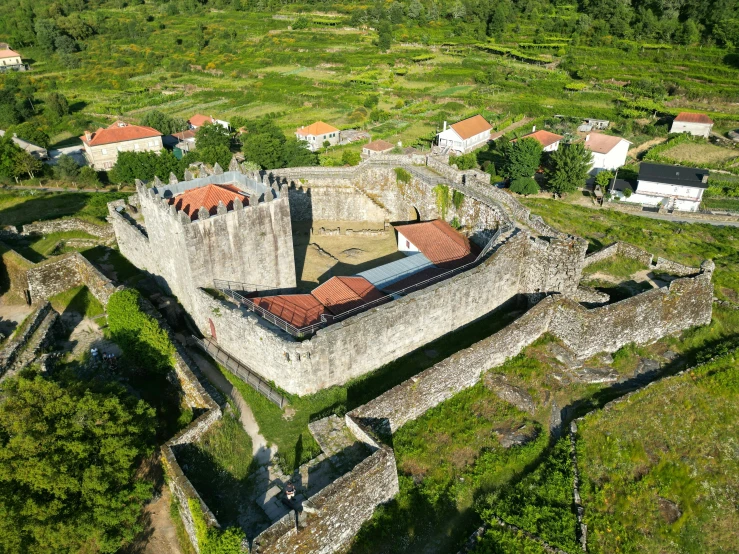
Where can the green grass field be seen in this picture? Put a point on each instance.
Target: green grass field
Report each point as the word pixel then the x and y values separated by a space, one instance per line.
pixel 26 206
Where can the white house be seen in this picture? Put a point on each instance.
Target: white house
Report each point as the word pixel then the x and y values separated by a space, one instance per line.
pixel 317 133
pixel 376 147
pixel 466 135
pixel 198 120
pixel 669 186
pixel 549 141
pixel 609 152
pixel 102 146
pixel 9 59
pixel 696 124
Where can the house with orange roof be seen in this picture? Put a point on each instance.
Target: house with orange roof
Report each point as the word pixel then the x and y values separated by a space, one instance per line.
pixel 10 60
pixel 438 241
pixel 316 134
pixel 465 136
pixel 376 147
pixel 697 124
pixel 609 152
pixel 549 141
pixel 198 120
pixel 103 146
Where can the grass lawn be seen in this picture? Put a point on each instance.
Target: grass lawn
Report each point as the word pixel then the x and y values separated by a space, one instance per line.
pixel 46 245
pixel 728 204
pixel 660 472
pixel 26 206
pixel 218 466
pixel 78 299
pixel 616 266
pixel 697 153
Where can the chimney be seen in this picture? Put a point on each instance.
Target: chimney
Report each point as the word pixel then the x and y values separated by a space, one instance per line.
pixel 533 129
pixel 445 126
pixel 88 136
pixel 587 137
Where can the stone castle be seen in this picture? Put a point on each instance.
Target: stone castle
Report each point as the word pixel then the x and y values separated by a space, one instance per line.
pixel 214 260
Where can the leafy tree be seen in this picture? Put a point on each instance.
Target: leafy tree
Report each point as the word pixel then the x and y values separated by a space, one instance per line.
pixel 57 105
pixel 384 36
pixel 89 176
pixel 8 153
pixel 371 101
pixel 210 155
pixel 163 123
pixel 301 22
pixel 46 34
pixel 525 186
pixel 25 164
pixel 465 161
pixel 145 166
pixel 296 154
pixel 569 166
pixel 350 157
pixel 603 180
pixel 66 168
pixel 523 157
pixel 69 455
pixel 212 135
pixel 264 150
pixel 30 132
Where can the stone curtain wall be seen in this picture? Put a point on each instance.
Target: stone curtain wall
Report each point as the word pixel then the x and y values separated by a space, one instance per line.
pixel 132 242
pixel 104 232
pixel 65 272
pixel 332 202
pixel 553 265
pixel 16 268
pixel 642 319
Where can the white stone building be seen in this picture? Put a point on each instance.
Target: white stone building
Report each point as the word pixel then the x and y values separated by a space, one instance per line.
pixel 465 136
pixel 317 133
pixel 697 124
pixel 102 146
pixel 376 147
pixel 9 59
pixel 549 141
pixel 609 152
pixel 671 187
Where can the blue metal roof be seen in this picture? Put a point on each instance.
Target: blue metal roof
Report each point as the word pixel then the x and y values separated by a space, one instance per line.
pixel 388 274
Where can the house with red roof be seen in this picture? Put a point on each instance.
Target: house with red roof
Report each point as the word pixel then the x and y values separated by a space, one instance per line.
pixel 549 141
pixel 609 152
pixel 697 124
pixel 102 146
pixel 317 133
pixel 198 120
pixel 445 247
pixel 376 147
pixel 10 60
pixel 465 136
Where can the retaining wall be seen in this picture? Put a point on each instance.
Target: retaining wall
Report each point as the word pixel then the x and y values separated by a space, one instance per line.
pixel 104 232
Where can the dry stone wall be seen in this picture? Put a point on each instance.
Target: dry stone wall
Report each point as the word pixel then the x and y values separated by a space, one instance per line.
pixel 65 272
pixel 16 271
pixel 674 268
pixel 623 249
pixel 9 354
pixel 104 232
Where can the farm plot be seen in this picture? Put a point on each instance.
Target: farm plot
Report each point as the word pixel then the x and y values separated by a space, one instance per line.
pixel 693 153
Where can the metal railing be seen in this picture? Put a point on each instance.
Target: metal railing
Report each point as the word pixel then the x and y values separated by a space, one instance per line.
pixel 249 288
pixel 242 371
pixel 303 332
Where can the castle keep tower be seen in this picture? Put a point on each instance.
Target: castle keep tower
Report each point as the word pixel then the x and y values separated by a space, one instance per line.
pixel 225 226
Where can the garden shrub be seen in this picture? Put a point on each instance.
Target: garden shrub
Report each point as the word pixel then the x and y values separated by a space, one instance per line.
pixel 402 175
pixel 525 186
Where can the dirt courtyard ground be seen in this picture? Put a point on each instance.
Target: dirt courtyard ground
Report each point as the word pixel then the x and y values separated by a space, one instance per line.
pixel 318 257
pixel 12 313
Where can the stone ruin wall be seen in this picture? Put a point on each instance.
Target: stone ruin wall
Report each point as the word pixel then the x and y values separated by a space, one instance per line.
pixel 16 269
pixel 9 353
pixel 59 274
pixel 104 232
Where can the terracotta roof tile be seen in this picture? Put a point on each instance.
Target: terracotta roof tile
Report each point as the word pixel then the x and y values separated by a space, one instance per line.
pixel 198 120
pixel 441 244
pixel 602 144
pixel 317 128
pixel 184 135
pixel 299 310
pixel 8 53
pixel 471 126
pixel 689 117
pixel 340 294
pixel 208 197
pixel 379 145
pixel 545 138
pixel 120 132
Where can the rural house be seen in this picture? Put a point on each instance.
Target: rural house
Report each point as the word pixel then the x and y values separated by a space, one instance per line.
pixel 317 133
pixel 465 136
pixel 198 120
pixel 668 186
pixel 102 146
pixel 609 152
pixel 376 147
pixel 549 141
pixel 9 59
pixel 185 142
pixel 697 124
pixel 38 152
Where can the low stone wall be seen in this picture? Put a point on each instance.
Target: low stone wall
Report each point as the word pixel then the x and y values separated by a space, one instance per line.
pixel 675 268
pixel 65 272
pixel 104 232
pixel 16 268
pixel 622 249
pixel 9 354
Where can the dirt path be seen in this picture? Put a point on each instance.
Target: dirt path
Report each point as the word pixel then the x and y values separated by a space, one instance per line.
pixel 511 127
pixel 634 152
pixel 163 536
pixel 262 451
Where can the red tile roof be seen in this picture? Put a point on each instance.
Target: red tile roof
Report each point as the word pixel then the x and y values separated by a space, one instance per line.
pixel 8 53
pixel 299 310
pixel 198 120
pixel 119 132
pixel 184 135
pixel 340 294
pixel 315 129
pixel 545 138
pixel 379 145
pixel 602 144
pixel 208 197
pixel 471 126
pixel 441 244
pixel 689 117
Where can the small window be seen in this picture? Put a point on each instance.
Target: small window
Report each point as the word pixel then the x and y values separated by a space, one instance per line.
pixel 407 244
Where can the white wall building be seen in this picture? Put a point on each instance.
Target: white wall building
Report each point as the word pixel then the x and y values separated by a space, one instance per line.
pixel 317 133
pixel 198 120
pixel 609 152
pixel 102 146
pixel 549 141
pixel 669 186
pixel 466 135
pixel 696 124
pixel 9 59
